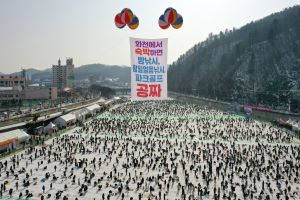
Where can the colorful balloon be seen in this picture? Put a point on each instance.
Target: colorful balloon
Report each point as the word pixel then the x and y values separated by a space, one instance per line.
pixel 118 21
pixel 178 23
pixel 134 23
pixel 162 23
pixel 170 15
pixel 127 16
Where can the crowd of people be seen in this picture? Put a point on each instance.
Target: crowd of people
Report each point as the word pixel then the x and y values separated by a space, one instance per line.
pixel 158 150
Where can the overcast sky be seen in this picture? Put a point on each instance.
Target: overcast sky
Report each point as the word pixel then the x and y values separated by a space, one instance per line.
pixel 35 33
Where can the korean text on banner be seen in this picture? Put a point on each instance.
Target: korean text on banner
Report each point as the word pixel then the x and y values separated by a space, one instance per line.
pixel 148 69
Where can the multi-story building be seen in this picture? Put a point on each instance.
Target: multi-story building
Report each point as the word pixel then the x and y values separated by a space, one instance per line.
pixel 63 75
pixel 40 93
pixel 12 81
pixel 14 88
pixel 26 75
pixel 16 93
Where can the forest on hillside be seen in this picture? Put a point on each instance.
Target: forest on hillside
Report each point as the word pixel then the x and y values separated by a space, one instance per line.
pixel 256 64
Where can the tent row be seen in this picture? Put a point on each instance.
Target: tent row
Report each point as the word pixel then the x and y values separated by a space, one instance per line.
pixel 11 139
pixel 70 119
pixel 81 115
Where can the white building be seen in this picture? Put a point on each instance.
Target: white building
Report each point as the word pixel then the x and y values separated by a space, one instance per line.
pixel 11 93
pixel 40 93
pixel 11 81
pixel 63 75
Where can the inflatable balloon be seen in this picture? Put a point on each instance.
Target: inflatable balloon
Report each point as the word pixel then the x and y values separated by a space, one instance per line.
pixel 118 21
pixel 170 15
pixel 162 22
pixel 134 23
pixel 178 22
pixel 127 16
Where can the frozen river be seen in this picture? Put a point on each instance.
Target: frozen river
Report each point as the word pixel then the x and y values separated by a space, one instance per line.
pixel 162 150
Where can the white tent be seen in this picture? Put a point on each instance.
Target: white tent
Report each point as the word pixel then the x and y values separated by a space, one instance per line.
pixel 18 134
pixel 65 120
pixel 117 98
pixel 101 101
pixel 50 127
pixel 93 109
pixel 80 114
pixel 109 102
